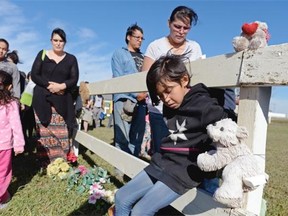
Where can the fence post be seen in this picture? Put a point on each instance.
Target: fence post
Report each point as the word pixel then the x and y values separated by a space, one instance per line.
pixel 253 114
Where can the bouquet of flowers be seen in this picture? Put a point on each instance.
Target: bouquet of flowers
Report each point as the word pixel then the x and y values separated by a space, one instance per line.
pixel 92 181
pixel 58 168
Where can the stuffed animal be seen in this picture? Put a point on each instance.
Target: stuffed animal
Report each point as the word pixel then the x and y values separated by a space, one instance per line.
pixel 238 161
pixel 253 36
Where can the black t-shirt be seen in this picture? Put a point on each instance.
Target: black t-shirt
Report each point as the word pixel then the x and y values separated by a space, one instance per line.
pixel 138 58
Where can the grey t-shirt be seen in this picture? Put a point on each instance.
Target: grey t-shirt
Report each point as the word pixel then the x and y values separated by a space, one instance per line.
pixel 13 70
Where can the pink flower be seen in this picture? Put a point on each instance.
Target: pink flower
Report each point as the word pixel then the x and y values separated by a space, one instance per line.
pixel 95 187
pixel 92 199
pixel 83 169
pixel 98 194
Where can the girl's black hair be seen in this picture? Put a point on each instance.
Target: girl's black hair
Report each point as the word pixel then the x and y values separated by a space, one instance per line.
pixel 6 42
pixel 166 68
pixel 182 13
pixel 60 32
pixel 5 93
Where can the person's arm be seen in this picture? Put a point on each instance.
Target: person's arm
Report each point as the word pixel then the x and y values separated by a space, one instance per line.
pixel 212 112
pixel 74 74
pixel 116 65
pixel 16 81
pixel 36 76
pixel 147 62
pixel 14 119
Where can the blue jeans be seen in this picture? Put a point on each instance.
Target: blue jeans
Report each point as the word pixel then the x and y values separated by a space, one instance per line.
pixel 121 129
pixel 158 130
pixel 137 128
pixel 141 196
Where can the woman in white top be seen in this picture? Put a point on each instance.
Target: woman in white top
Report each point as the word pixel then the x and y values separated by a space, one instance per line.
pixel 180 23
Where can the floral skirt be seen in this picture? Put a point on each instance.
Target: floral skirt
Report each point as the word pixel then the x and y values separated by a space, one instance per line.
pixel 53 141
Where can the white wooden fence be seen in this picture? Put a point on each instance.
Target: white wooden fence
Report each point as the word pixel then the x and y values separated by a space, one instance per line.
pixel 255 72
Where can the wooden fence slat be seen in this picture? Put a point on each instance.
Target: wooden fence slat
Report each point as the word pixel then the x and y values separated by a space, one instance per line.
pixel 112 155
pixel 266 66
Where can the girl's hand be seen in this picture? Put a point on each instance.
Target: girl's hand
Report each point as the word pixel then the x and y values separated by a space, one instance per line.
pixel 141 96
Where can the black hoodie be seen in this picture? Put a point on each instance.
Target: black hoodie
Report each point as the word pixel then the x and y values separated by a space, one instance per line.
pixel 176 165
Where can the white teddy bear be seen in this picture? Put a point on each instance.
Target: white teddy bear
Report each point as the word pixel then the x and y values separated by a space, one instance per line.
pixel 233 154
pixel 253 36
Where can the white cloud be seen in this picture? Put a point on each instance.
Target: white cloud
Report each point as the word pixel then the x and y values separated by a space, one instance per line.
pixel 7 7
pixel 28 38
pixel 86 33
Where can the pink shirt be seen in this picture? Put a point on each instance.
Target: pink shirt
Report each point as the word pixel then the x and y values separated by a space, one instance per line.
pixel 11 135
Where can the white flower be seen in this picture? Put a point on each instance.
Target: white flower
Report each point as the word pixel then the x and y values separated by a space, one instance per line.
pixel 102 180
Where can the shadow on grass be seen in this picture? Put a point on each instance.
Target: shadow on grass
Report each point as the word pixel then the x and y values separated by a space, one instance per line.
pixel 24 167
pixel 89 210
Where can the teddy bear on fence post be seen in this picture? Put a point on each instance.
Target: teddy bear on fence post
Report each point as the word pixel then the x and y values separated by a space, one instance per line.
pixel 253 36
pixel 235 157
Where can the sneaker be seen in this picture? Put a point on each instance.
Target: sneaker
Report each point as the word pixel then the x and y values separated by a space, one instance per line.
pixel 145 156
pixel 111 210
pixel 3 205
pixel 6 202
pixel 119 175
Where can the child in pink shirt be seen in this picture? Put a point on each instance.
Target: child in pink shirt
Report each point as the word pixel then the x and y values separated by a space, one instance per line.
pixel 11 135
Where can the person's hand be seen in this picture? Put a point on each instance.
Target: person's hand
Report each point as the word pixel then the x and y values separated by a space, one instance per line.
pixel 61 92
pixel 22 107
pixel 141 96
pixel 18 152
pixel 56 88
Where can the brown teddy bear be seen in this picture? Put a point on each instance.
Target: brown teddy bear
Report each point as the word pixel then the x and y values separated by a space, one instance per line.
pixel 253 36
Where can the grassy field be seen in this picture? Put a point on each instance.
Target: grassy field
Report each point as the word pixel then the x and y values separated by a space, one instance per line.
pixel 35 194
pixel 276 191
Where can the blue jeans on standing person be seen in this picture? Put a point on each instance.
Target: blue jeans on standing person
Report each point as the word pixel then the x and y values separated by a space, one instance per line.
pixel 147 194
pixel 137 128
pixel 159 130
pixel 121 129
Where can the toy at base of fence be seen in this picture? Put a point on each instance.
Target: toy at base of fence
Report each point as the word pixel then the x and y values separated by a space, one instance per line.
pixel 146 144
pixel 253 36
pixel 235 157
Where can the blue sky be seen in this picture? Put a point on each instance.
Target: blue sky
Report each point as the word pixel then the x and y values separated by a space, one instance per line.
pixel 95 28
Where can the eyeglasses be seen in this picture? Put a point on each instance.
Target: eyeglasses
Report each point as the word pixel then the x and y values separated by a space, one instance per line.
pixel 138 37
pixel 179 27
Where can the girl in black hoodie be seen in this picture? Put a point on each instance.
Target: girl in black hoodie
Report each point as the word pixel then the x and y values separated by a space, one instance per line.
pixel 187 111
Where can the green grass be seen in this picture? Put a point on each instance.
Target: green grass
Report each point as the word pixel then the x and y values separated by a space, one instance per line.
pixel 276 191
pixel 35 194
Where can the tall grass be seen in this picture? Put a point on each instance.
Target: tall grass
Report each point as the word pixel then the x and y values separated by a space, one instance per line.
pixel 35 194
pixel 276 191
